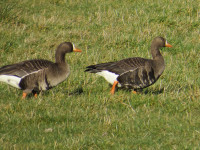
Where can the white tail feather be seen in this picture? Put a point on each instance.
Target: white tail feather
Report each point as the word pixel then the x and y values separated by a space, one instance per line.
pixel 11 80
pixel 109 76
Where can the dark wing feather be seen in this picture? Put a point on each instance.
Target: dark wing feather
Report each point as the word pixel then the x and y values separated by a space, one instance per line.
pixel 25 68
pixel 118 67
pixel 139 78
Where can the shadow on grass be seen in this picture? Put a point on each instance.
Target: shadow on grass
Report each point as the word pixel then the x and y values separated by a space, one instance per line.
pixel 156 92
pixel 143 91
pixel 77 91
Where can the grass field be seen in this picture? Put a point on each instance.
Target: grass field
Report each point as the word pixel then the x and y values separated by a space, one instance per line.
pixel 80 113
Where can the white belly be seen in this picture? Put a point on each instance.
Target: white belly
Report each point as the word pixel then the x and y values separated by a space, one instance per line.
pixel 109 76
pixel 11 80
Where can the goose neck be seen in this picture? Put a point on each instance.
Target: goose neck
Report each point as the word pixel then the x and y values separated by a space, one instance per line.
pixel 60 57
pixel 155 52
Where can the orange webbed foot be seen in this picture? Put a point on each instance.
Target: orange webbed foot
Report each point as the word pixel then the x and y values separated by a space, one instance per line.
pixel 24 95
pixel 134 92
pixel 113 87
pixel 35 95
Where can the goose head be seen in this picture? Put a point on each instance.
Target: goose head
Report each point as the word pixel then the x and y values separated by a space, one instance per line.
pixel 63 48
pixel 160 42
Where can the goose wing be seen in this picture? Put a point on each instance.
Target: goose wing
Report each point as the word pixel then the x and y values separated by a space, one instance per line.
pixel 25 68
pixel 118 67
pixel 140 76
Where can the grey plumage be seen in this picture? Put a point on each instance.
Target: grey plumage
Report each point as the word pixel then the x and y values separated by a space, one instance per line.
pixel 136 73
pixel 36 75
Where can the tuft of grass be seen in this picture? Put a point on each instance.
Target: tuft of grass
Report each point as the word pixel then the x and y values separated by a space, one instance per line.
pixel 80 113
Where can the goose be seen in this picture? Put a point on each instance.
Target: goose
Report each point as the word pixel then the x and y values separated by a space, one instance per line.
pixel 33 76
pixel 133 73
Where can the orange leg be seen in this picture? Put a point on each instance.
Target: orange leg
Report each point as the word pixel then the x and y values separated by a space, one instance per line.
pixel 113 87
pixel 35 95
pixel 24 95
pixel 134 92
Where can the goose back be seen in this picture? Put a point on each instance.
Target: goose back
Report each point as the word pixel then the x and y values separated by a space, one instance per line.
pixel 118 67
pixel 25 68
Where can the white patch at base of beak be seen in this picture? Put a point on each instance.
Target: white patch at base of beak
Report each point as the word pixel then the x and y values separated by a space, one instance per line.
pixel 73 46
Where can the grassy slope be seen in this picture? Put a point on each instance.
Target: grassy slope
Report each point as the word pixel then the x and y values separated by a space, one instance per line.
pixel 80 112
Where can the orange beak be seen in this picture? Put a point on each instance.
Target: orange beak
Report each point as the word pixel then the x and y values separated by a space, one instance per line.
pixel 168 45
pixel 77 50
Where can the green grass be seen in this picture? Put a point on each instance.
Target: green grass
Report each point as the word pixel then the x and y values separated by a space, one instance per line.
pixel 80 113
